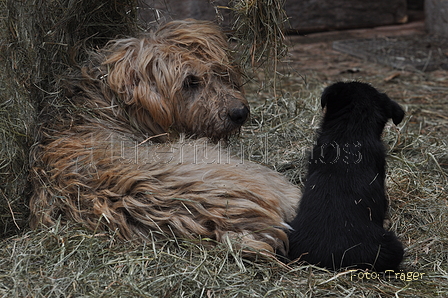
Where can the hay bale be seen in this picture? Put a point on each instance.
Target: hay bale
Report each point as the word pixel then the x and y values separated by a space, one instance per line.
pixel 257 26
pixel 16 120
pixel 39 40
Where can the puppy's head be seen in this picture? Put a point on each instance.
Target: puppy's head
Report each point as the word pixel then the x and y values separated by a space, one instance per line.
pixel 360 103
pixel 179 79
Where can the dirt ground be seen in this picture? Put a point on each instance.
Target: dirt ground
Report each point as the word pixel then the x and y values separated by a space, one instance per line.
pixel 423 94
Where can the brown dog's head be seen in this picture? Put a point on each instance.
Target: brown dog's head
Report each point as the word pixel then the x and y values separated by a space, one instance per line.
pixel 178 79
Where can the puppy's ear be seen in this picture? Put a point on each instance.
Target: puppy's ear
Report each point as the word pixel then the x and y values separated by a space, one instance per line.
pixel 329 94
pixel 324 99
pixel 395 112
pixel 336 96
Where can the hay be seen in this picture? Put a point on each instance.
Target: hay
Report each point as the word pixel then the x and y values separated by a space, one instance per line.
pixel 258 28
pixel 69 262
pixel 16 122
pixel 65 261
pixel 257 36
pixel 39 40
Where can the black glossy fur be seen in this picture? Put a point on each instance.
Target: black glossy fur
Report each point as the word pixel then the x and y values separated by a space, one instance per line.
pixel 340 217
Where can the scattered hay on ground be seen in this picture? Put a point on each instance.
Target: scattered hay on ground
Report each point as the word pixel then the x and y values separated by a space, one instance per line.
pixel 65 261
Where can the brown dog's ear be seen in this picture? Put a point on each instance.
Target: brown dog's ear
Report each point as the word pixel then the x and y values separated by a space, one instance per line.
pixel 395 112
pixel 123 74
pixel 136 75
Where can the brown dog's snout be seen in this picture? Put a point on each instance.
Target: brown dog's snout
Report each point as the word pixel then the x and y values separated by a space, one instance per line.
pixel 239 114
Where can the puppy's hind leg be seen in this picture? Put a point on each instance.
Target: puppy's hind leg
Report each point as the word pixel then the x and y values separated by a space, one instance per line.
pixel 390 254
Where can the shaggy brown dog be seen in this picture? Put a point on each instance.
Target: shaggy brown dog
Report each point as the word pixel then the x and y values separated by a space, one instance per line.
pixel 112 159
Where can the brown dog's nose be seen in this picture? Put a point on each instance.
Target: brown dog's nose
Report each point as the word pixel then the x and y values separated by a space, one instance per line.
pixel 239 115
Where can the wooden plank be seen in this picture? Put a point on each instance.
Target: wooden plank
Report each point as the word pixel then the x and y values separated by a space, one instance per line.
pixel 304 15
pixel 321 15
pixel 436 13
pixel 425 53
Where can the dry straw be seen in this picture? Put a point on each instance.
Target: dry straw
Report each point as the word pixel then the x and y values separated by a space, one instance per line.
pixel 39 40
pixel 258 27
pixel 66 261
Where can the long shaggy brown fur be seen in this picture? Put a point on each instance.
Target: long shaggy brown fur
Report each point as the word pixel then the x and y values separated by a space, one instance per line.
pixel 111 157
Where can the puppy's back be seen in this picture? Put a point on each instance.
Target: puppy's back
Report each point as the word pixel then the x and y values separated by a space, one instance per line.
pixel 340 217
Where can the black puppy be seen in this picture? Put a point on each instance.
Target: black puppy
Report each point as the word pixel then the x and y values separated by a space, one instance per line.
pixel 340 217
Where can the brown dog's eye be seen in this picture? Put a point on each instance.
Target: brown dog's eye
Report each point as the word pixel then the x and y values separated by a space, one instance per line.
pixel 192 82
